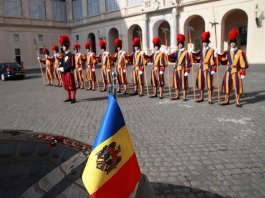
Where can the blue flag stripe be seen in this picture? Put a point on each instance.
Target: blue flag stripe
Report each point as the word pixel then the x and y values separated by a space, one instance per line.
pixel 110 124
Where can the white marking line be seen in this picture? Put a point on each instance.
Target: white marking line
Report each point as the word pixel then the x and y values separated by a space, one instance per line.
pixel 243 120
pixel 179 103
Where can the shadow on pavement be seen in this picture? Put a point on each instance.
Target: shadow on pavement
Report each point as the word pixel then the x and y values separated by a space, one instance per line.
pixel 170 190
pixel 253 97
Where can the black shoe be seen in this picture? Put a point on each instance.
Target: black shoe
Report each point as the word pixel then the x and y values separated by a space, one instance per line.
pixel 68 100
pixel 201 100
pixel 153 96
pixel 210 102
pixel 238 105
pixel 175 98
pixel 73 101
pixel 185 99
pixel 161 97
pixel 225 103
pixel 102 90
pixel 141 95
pixel 135 93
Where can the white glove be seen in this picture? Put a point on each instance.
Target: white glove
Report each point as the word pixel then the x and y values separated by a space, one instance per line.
pixel 186 74
pixel 61 69
pixel 106 53
pixel 161 72
pixel 93 70
pixel 140 72
pixel 123 53
pixel 124 71
pixel 190 50
pixel 79 69
pixel 166 52
pixel 212 72
pixel 38 58
pixel 242 77
pixel 46 56
pixel 216 51
pixel 142 53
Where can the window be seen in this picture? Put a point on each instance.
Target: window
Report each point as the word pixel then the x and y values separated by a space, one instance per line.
pixel 93 7
pixel 37 9
pixel 13 8
pixel 16 37
pixel 133 2
pixel 243 30
pixel 17 52
pixel 77 9
pixel 77 37
pixel 40 37
pixel 59 10
pixel 111 5
pixel 40 50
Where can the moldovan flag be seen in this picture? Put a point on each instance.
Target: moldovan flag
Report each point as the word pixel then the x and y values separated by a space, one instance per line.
pixel 112 169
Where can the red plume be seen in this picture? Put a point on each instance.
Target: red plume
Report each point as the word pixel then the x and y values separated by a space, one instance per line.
pixel 233 34
pixel 88 44
pixel 76 45
pixel 205 36
pixel 181 38
pixel 136 41
pixel 55 48
pixel 118 42
pixel 64 39
pixel 102 44
pixel 45 51
pixel 156 40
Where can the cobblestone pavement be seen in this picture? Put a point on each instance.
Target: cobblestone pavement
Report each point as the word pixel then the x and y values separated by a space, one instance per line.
pixel 186 149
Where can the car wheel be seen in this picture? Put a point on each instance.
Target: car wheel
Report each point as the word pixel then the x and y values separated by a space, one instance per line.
pixel 3 78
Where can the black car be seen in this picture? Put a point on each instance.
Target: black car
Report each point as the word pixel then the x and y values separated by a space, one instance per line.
pixel 8 70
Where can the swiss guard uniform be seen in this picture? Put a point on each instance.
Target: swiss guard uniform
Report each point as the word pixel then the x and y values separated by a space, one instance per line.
pixel 159 60
pixel 237 64
pixel 67 67
pixel 138 67
pixel 49 66
pixel 121 66
pixel 56 63
pixel 207 67
pixel 78 73
pixel 181 69
pixel 104 59
pixel 90 66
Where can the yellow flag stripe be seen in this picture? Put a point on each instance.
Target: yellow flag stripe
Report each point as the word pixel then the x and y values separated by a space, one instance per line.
pixel 93 177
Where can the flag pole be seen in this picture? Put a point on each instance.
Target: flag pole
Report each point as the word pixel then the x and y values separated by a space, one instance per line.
pixel 38 55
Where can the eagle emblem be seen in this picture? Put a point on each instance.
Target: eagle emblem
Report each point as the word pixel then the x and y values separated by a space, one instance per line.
pixel 107 158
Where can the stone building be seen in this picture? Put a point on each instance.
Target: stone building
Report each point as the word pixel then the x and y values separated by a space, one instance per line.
pixel 27 24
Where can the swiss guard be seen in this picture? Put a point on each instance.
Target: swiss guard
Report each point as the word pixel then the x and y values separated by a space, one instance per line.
pixel 90 66
pixel 67 67
pixel 138 67
pixel 49 65
pixel 78 73
pixel 237 64
pixel 121 66
pixel 56 63
pixel 104 59
pixel 181 69
pixel 207 68
pixel 159 60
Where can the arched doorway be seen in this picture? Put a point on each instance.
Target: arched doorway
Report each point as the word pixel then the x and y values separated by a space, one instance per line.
pixel 193 27
pixel 92 39
pixel 113 34
pixel 164 33
pixel 229 21
pixel 134 31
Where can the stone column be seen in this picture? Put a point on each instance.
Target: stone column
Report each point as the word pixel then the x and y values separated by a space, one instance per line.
pixel 48 9
pixel 69 10
pixel 102 6
pixel 145 33
pixel 84 8
pixel 173 30
pixel 25 8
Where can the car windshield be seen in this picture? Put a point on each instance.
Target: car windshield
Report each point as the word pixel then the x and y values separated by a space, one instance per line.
pixel 12 65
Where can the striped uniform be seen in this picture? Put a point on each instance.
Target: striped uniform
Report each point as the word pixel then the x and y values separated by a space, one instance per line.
pixel 236 62
pixel 138 68
pixel 49 67
pixel 207 64
pixel 182 59
pixel 106 67
pixel 91 66
pixel 159 60
pixel 121 67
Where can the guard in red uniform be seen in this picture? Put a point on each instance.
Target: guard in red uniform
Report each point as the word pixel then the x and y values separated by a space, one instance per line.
pixel 49 66
pixel 78 72
pixel 181 69
pixel 67 67
pixel 207 68
pixel 120 66
pixel 237 63
pixel 56 63
pixel 105 60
